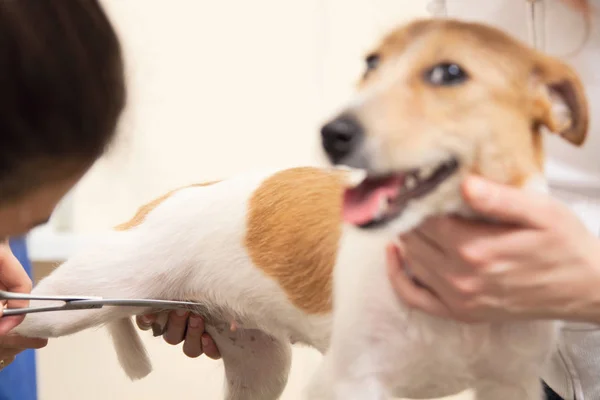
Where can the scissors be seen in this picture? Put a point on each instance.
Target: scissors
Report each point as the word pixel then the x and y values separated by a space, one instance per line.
pixel 88 302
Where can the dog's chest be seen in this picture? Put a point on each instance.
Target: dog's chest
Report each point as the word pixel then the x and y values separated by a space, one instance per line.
pixel 421 356
pixel 424 355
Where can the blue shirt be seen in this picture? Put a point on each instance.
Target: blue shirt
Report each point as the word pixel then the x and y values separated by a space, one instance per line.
pixel 18 380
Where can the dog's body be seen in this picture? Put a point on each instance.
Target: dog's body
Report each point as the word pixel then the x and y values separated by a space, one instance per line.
pixel 271 251
pixel 236 285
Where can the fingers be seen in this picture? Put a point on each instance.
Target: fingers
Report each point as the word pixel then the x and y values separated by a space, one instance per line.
pixel 4 362
pixel 9 323
pixel 192 347
pixel 12 275
pixel 13 278
pixel 447 234
pixel 507 204
pixel 210 348
pixel 409 292
pixel 144 322
pixel 160 324
pixel 424 262
pixel 197 341
pixel 9 354
pixel 157 322
pixel 176 327
pixel 20 342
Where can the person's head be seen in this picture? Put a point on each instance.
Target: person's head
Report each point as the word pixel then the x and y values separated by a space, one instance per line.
pixel 62 92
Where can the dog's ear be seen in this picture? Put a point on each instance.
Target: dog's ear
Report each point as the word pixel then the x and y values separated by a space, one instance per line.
pixel 560 103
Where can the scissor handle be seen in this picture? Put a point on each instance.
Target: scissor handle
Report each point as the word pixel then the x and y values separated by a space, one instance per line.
pixel 30 310
pixel 4 295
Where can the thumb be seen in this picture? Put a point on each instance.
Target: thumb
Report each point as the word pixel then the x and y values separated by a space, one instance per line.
pixel 506 203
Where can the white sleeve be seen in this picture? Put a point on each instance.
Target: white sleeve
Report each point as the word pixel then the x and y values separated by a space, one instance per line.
pixel 437 8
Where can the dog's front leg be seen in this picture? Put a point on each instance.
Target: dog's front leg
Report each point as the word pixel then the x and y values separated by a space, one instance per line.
pixel 350 368
pixel 363 388
pixel 367 388
pixel 333 381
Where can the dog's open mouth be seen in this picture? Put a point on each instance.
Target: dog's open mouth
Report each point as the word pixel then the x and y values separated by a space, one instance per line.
pixel 377 200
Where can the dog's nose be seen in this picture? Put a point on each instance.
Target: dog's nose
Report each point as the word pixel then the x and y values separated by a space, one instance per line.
pixel 340 137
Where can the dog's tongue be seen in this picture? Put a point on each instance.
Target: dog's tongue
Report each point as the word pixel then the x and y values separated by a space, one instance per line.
pixel 362 204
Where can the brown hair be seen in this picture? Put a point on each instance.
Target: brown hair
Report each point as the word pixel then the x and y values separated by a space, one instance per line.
pixel 62 90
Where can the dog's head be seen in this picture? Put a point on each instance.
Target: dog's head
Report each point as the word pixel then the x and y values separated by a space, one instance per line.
pixel 441 99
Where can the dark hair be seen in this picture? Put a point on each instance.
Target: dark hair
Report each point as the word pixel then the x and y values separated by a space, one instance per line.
pixel 62 90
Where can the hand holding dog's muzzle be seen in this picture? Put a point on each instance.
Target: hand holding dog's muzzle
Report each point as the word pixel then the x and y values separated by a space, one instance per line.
pixel 538 263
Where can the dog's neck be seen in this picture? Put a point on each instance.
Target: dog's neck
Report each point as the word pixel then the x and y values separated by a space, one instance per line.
pixel 537 184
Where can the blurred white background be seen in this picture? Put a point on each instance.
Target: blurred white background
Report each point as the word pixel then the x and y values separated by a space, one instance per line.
pixel 216 87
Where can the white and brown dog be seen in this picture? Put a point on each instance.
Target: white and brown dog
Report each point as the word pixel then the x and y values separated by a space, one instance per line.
pixel 275 251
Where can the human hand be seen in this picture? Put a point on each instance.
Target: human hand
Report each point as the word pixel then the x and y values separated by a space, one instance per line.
pixel 11 345
pixel 539 262
pixel 13 278
pixel 182 326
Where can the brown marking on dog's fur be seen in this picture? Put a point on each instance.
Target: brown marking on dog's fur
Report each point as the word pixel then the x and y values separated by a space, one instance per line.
pixel 294 226
pixel 538 148
pixel 146 209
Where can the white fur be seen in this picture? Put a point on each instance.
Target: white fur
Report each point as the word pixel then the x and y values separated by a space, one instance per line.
pixel 190 248
pixel 397 352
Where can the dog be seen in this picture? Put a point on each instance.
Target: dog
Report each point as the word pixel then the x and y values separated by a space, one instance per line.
pixel 298 255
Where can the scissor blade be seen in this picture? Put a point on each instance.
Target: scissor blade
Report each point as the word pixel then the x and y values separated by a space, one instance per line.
pixel 147 303
pixel 91 303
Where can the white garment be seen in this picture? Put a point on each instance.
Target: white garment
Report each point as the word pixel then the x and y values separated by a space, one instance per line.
pixel 573 173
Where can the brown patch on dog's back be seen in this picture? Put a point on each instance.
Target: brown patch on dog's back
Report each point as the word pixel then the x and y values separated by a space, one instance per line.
pixel 294 226
pixel 146 209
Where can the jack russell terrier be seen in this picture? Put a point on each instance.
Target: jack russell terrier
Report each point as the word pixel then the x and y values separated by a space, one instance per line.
pixel 298 255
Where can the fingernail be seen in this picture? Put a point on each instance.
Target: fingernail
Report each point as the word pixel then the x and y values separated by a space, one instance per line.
pixel 181 313
pixel 157 330
pixel 145 320
pixel 194 322
pixel 205 341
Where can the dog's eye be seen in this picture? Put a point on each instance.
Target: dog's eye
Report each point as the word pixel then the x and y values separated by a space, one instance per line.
pixel 372 61
pixel 446 74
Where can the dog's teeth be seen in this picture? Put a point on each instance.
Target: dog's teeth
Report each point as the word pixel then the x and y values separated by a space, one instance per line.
pixel 382 208
pixel 354 177
pixel 426 172
pixel 410 182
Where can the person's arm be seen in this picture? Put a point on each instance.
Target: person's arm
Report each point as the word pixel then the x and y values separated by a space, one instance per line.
pixel 13 278
pixel 540 262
